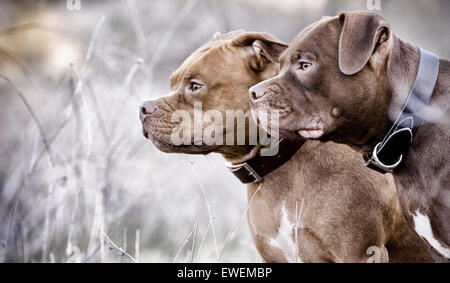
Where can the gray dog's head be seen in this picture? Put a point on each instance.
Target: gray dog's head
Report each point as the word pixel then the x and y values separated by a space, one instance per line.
pixel 330 80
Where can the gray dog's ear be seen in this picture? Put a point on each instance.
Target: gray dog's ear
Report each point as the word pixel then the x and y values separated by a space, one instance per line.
pixel 362 35
pixel 263 48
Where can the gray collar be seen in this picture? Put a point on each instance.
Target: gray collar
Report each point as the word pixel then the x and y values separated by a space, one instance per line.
pixel 388 154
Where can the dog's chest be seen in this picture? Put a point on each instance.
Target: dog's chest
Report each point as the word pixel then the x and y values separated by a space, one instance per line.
pixel 276 233
pixel 422 198
pixel 286 237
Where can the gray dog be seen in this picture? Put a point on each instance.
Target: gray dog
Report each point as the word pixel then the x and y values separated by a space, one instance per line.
pixel 349 79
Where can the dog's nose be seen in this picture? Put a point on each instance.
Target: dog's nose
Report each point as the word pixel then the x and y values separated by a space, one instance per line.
pixel 148 107
pixel 257 92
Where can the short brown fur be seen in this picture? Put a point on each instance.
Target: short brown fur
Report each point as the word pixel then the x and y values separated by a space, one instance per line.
pixel 347 207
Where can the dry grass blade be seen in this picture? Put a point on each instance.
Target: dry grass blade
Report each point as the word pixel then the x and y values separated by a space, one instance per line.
pixel 121 250
pixel 137 26
pixel 89 53
pixel 178 19
pixel 31 26
pixel 35 118
pixel 191 260
pixel 236 226
pixel 27 70
pixel 211 217
pixel 137 243
pixel 185 242
pixel 203 239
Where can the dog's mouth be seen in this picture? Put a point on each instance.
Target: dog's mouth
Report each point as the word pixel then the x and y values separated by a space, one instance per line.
pixel 160 142
pixel 161 139
pixel 169 147
pixel 152 133
pixel 311 133
pixel 144 133
pixel 315 130
pixel 157 134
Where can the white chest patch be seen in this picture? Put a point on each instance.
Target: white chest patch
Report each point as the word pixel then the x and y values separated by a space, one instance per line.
pixel 285 237
pixel 422 226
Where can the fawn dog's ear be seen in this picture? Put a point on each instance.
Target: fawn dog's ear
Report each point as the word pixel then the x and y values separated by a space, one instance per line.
pixel 263 48
pixel 363 35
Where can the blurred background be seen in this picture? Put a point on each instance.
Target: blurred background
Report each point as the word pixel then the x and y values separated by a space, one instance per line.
pixel 78 182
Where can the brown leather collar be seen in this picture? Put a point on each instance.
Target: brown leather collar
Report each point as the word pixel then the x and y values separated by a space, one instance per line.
pixel 254 170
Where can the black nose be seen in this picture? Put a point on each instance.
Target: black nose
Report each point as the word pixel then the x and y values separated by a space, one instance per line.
pixel 148 107
pixel 257 92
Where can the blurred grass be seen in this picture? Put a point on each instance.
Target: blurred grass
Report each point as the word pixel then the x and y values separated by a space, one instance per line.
pixel 98 189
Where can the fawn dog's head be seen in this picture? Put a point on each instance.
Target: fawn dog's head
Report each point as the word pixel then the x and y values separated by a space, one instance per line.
pixel 212 81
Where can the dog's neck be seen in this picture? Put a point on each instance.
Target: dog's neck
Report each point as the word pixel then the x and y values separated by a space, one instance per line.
pixel 402 68
pixel 391 93
pixel 238 153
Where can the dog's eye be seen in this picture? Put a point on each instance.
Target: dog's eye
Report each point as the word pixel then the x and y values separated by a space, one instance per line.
pixel 195 86
pixel 304 65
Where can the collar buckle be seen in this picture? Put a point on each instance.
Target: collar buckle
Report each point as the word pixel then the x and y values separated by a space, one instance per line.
pixel 253 170
pixel 373 162
pixel 250 171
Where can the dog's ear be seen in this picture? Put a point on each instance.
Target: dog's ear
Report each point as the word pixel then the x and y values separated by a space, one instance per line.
pixel 263 48
pixel 363 34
